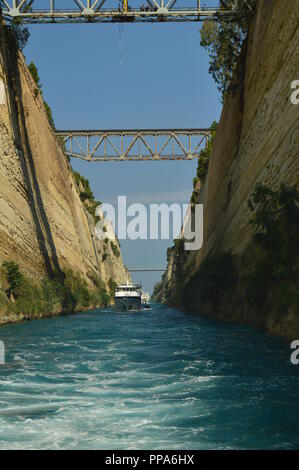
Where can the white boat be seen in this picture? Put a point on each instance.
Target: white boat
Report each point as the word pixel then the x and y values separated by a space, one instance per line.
pixel 145 298
pixel 127 298
pixel 145 301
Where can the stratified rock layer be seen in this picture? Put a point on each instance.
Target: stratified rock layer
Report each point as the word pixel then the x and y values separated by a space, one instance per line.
pixel 43 224
pixel 257 141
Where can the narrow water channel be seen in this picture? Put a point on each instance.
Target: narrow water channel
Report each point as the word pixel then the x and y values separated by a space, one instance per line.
pixel 159 379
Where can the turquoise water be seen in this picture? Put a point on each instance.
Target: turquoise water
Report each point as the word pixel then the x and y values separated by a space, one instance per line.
pixel 160 379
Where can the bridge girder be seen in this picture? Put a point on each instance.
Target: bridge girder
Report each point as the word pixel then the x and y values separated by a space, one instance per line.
pixel 96 11
pixel 134 144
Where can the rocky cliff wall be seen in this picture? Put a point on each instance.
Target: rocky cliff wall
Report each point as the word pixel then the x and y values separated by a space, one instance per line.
pixel 43 224
pixel 257 141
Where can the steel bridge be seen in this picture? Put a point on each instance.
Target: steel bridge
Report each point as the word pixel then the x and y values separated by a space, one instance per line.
pixel 147 270
pixel 133 144
pixel 110 11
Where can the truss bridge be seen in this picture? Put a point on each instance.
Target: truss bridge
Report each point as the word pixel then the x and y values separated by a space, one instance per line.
pixel 133 144
pixel 111 11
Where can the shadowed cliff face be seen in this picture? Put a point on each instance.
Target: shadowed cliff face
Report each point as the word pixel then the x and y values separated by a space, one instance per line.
pixel 257 142
pixel 43 224
pixel 21 140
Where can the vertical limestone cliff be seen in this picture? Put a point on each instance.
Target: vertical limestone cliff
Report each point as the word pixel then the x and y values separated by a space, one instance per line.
pixel 44 226
pixel 256 142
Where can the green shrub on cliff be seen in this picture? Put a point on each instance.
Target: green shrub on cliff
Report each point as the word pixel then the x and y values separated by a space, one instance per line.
pixel 156 295
pixel 115 249
pixel 17 32
pixel 224 40
pixel 86 195
pixel 203 161
pixel 66 292
pixel 3 301
pixel 112 286
pixel 49 114
pixel 274 277
pixel 35 75
pixel 17 35
pixel 276 223
pixel 77 289
pixel 205 154
pixel 13 276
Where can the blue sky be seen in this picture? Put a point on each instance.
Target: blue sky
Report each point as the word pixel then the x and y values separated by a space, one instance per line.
pixel 164 82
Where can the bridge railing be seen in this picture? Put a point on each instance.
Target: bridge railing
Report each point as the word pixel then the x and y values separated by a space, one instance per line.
pixel 134 144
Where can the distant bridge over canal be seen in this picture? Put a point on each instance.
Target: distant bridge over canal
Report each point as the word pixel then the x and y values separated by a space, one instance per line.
pixel 147 270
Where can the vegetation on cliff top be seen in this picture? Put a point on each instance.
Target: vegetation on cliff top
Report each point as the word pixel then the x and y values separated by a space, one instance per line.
pixel 35 75
pixel 16 30
pixel 18 34
pixel 224 41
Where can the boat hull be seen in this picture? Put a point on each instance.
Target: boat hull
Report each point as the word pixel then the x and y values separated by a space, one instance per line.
pixel 127 304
